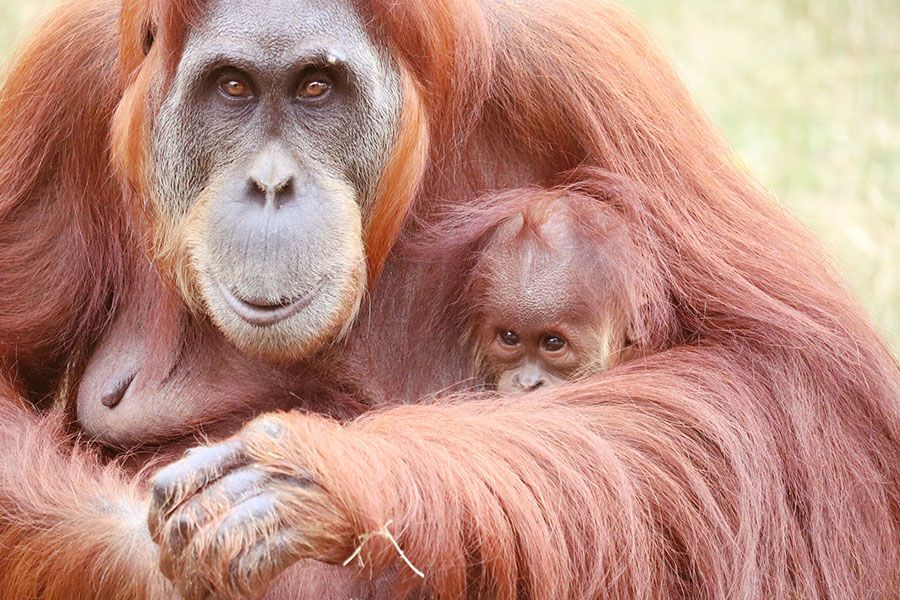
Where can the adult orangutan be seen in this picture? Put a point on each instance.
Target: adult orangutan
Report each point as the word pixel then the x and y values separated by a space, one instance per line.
pixel 282 156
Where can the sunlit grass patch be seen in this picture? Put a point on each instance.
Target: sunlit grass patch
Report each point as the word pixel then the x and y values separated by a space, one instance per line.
pixel 808 92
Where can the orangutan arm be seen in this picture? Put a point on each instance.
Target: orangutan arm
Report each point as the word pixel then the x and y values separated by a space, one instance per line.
pixel 647 482
pixel 69 528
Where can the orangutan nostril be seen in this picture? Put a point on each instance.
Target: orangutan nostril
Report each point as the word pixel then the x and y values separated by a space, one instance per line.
pixel 115 392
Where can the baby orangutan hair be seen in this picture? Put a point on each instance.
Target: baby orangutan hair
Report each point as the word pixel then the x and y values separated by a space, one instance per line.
pixel 554 289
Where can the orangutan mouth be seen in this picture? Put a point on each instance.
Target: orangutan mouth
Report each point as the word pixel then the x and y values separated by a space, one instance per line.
pixel 263 313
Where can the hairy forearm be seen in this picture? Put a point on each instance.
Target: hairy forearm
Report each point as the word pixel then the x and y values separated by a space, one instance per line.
pixel 683 475
pixel 621 488
pixel 69 529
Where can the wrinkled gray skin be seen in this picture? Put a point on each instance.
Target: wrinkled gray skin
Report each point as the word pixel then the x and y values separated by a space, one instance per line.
pixel 272 188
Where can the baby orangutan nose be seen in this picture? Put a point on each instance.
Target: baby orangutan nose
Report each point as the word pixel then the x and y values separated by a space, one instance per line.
pixel 526 378
pixel 530 378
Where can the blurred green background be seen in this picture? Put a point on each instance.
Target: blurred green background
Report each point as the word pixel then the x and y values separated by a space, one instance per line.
pixel 808 91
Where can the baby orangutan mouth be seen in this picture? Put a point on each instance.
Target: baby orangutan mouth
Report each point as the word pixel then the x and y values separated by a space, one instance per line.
pixel 264 313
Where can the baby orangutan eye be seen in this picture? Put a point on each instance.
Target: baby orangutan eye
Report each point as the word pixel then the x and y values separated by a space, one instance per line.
pixel 553 343
pixel 509 338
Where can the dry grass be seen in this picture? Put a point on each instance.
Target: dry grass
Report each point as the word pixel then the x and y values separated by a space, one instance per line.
pixel 806 90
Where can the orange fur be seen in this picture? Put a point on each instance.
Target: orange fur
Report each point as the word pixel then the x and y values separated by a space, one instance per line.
pixel 753 452
pixel 399 183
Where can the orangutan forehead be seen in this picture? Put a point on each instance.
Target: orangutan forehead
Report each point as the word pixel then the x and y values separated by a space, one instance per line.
pixel 283 29
pixel 541 269
pixel 530 283
pixel 526 250
pixel 555 229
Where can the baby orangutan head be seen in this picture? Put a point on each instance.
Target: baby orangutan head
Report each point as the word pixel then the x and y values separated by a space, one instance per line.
pixel 551 299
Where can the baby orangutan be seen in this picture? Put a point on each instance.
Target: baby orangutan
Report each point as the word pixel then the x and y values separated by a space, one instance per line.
pixel 552 291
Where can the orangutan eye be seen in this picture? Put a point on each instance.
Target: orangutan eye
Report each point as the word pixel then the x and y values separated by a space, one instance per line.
pixel 553 343
pixel 232 87
pixel 509 338
pixel 314 87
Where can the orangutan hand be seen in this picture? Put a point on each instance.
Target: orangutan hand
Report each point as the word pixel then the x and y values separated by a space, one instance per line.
pixel 229 518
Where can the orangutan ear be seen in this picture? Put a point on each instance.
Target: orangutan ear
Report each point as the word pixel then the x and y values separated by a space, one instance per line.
pixel 149 37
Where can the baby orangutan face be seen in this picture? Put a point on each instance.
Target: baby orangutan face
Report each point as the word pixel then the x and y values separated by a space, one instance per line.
pixel 538 321
pixel 526 358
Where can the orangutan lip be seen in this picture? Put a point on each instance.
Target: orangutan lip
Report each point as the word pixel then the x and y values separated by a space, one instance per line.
pixel 267 315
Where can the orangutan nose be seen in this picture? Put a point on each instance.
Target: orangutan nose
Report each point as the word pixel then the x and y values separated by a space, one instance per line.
pixel 531 378
pixel 530 387
pixel 272 178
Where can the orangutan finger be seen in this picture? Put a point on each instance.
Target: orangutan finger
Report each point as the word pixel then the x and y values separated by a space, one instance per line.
pixel 181 480
pixel 266 559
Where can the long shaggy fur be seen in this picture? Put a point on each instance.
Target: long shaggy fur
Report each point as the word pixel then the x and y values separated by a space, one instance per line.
pixel 69 529
pixel 754 453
